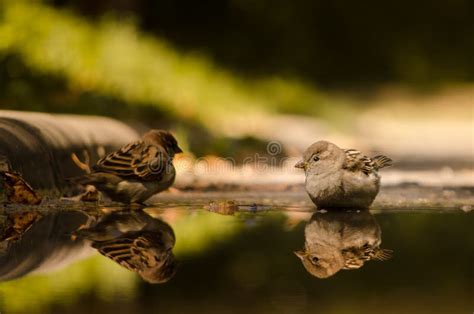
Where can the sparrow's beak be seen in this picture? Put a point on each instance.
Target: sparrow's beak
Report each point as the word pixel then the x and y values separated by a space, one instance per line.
pixel 301 164
pixel 300 253
pixel 178 150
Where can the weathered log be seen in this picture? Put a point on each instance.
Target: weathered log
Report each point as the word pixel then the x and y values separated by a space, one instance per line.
pixel 39 145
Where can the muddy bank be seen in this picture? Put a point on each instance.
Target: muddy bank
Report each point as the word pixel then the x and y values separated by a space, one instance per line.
pixel 39 145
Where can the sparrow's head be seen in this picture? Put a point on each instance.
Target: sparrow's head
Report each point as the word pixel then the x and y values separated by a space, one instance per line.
pixel 153 247
pixel 321 157
pixel 164 139
pixel 159 262
pixel 322 264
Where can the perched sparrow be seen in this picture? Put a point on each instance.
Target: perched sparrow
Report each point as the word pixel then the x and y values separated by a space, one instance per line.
pixel 137 171
pixel 17 190
pixel 341 240
pixel 136 241
pixel 341 178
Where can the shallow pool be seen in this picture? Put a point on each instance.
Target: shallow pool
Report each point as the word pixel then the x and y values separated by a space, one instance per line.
pixel 212 254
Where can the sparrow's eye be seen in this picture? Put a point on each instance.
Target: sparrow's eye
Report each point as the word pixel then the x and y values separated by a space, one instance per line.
pixel 315 158
pixel 314 259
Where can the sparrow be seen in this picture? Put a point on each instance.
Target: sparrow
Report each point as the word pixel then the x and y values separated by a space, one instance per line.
pixel 135 241
pixel 17 190
pixel 136 171
pixel 341 240
pixel 341 178
pixel 91 194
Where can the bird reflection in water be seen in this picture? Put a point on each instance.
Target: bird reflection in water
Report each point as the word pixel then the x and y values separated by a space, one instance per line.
pixel 34 241
pixel 341 240
pixel 136 241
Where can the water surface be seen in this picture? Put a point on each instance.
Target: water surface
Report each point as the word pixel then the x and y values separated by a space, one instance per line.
pixel 221 256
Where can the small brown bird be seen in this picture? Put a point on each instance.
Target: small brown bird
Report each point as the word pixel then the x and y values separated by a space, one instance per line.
pixel 136 241
pixel 136 171
pixel 17 190
pixel 341 240
pixel 341 178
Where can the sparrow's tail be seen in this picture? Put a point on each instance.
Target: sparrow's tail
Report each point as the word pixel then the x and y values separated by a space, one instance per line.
pixel 383 254
pixel 381 161
pixel 97 179
pixel 85 234
pixel 81 180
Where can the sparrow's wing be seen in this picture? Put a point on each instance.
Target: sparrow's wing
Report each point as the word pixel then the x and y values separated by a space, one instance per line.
pixel 119 162
pixel 136 160
pixel 151 163
pixel 125 251
pixel 355 162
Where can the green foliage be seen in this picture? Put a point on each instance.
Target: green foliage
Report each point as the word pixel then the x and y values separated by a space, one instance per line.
pixel 111 58
pixel 200 231
pixel 37 293
pixel 102 277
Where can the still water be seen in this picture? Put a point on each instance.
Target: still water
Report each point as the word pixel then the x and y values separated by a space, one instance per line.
pixel 223 257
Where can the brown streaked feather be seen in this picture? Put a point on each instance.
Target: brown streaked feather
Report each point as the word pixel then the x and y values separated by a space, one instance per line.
pixel 119 162
pixel 382 254
pixel 130 249
pixel 356 257
pixel 153 162
pixel 381 161
pixel 355 161
pixel 120 251
pixel 353 261
pixel 145 162
pixel 376 253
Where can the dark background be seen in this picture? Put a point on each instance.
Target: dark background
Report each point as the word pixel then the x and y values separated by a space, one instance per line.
pixel 403 67
pixel 334 43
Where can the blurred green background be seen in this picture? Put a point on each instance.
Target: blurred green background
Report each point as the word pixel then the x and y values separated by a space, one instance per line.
pixel 203 68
